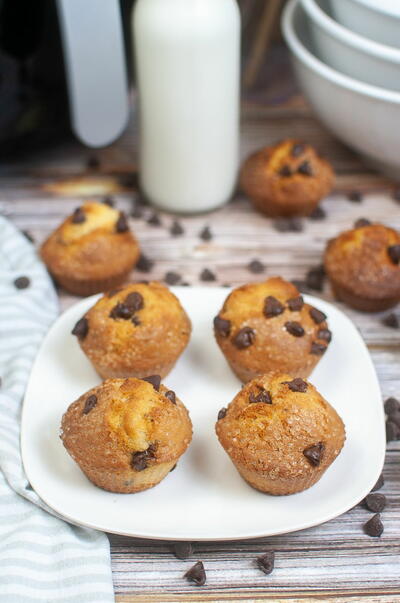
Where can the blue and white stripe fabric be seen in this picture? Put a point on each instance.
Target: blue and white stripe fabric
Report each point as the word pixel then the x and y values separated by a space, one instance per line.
pixel 42 558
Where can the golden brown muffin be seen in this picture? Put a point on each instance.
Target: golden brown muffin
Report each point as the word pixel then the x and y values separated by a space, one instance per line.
pixel 362 265
pixel 267 326
pixel 91 251
pixel 280 433
pixel 287 179
pixel 136 331
pixel 127 434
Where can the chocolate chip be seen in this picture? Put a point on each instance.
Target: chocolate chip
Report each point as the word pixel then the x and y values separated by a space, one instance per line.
pixel 395 417
pixel 244 338
pixel 172 278
pixel 317 214
pixel 129 180
pixel 374 527
pixel 297 385
pixel 121 311
pixel 317 315
pixel 315 278
pixel 134 301
pixel 22 282
pixel 317 348
pixel 183 550
pixel 176 229
pixel 285 171
pixel 122 223
pixel 262 397
pixel 135 320
pixel 361 222
pixel 78 216
pixel 314 453
pixel 396 194
pixel 256 267
pixel 300 285
pixel 390 320
pixel 325 334
pixel 288 225
pixel 222 413
pixel 206 234
pixel 375 502
pixel 93 163
pixel 355 196
pixel 305 168
pixel 154 380
pixel 81 328
pixel 140 460
pixel 379 484
pixel 108 200
pixel 394 253
pixel 222 326
pixel 391 405
pixel 90 403
pixel 295 303
pixel 113 292
pixel 294 328
pixel 272 307
pixel 196 574
pixel 266 562
pixel 137 211
pixel 298 149
pixel 144 264
pixel 28 235
pixel 171 396
pixel 207 276
pixel 392 431
pixel 154 219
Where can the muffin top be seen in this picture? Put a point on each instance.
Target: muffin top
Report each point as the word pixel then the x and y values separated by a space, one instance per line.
pixel 126 423
pixel 365 260
pixel 280 425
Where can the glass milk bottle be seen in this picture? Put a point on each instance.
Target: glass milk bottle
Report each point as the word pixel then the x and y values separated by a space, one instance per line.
pixel 187 67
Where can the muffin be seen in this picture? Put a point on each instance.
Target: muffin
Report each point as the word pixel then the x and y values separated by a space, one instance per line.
pixel 136 331
pixel 267 326
pixel 363 268
pixel 91 251
pixel 126 435
pixel 280 433
pixel 287 179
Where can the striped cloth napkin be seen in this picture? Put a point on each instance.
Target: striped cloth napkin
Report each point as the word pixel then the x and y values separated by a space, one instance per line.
pixel 42 558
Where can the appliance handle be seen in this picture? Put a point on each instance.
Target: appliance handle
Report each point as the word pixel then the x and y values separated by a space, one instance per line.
pixel 95 67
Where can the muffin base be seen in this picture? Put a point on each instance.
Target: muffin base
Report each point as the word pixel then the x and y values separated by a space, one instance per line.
pixel 246 375
pixel 90 287
pixel 363 304
pixel 128 482
pixel 290 209
pixel 107 372
pixel 278 486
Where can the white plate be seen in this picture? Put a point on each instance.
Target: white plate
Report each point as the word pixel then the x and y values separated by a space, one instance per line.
pixel 204 498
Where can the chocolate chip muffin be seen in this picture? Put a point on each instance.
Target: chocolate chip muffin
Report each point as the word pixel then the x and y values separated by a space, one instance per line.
pixel 92 250
pixel 287 179
pixel 363 267
pixel 267 326
pixel 126 435
pixel 136 331
pixel 280 433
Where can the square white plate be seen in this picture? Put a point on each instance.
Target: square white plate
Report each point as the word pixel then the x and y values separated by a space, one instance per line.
pixel 204 498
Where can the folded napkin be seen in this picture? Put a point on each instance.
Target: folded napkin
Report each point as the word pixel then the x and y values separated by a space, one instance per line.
pixel 42 558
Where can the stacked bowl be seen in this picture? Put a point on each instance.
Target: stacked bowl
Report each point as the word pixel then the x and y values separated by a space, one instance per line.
pixel 346 55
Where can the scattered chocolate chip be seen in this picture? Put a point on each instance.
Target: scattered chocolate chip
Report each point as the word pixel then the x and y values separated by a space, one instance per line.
pixel 176 229
pixel 196 574
pixel 222 326
pixel 90 403
pixel 207 276
pixel 262 397
pixel 154 219
pixel 185 284
pixel 361 222
pixel 171 396
pixel 28 235
pixel 172 278
pixel 317 348
pixel 390 320
pixel 396 194
pixel 113 292
pixel 317 315
pixel 325 334
pixel 380 482
pixel 272 307
pixel 285 171
pixel 266 562
pixel 256 267
pixel 298 149
pixel 222 413
pixel 78 216
pixel 93 163
pixel 294 328
pixel 315 278
pixel 392 431
pixel 317 214
pixel 394 253
pixel 121 311
pixel 392 405
pixel 81 328
pixel 141 459
pixel 295 303
pixel 244 338
pixel 288 225
pixel 144 264
pixel 375 502
pixel 122 223
pixel 22 282
pixel 134 301
pixel 183 550
pixel 206 234
pixel 137 211
pixel 297 385
pixel 129 180
pixel 395 417
pixel 305 168
pixel 154 380
pixel 314 453
pixel 374 526
pixel 300 285
pixel 108 200
pixel 355 196
pixel 136 321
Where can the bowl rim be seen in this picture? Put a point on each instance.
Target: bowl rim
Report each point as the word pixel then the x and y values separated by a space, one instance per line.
pixel 355 40
pixel 379 8
pixel 316 65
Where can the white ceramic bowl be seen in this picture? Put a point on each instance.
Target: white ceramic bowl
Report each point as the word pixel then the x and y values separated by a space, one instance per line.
pixel 349 52
pixel 378 20
pixel 364 117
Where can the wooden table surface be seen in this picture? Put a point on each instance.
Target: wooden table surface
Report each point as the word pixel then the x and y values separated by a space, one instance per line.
pixel 334 561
